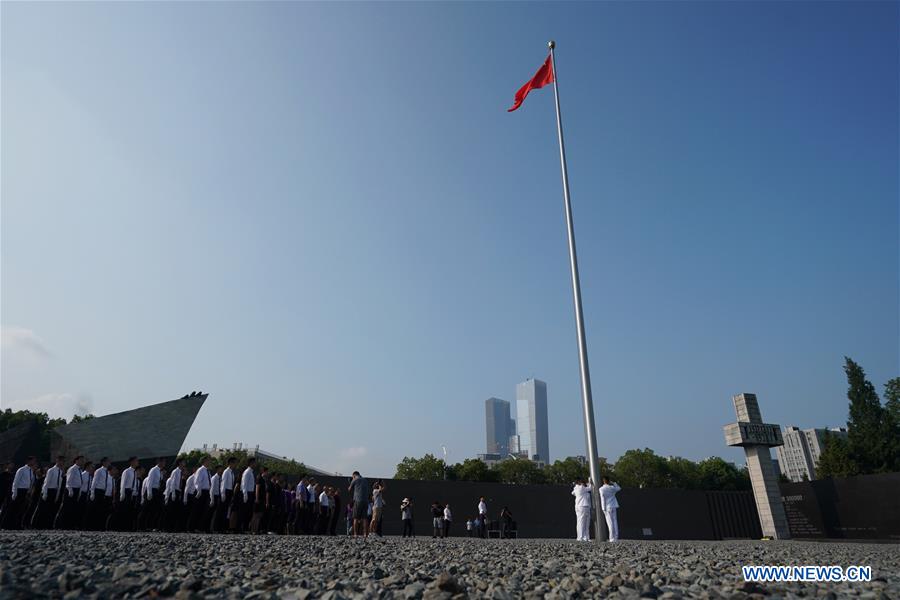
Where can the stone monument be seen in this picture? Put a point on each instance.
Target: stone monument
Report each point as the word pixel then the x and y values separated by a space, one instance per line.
pixel 756 438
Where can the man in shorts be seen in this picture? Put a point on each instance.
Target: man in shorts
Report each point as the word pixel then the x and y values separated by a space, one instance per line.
pixel 359 491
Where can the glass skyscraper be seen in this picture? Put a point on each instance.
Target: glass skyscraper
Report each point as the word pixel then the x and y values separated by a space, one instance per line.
pixel 498 425
pixel 531 419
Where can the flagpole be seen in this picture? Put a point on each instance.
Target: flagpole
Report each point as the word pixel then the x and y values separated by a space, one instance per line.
pixel 590 430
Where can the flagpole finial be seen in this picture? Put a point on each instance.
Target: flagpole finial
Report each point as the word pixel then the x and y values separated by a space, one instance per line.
pixel 551 44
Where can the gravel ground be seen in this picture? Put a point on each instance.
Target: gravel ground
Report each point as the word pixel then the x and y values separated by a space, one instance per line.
pixel 70 565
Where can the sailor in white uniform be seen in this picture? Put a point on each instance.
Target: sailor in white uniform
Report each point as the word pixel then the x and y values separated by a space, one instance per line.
pixel 610 505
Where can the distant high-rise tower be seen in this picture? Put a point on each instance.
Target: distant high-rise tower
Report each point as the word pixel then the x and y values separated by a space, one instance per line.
pixel 531 419
pixel 498 426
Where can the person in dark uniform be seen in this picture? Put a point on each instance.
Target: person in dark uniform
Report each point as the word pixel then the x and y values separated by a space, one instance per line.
pixel 6 479
pixel 276 505
pixel 260 500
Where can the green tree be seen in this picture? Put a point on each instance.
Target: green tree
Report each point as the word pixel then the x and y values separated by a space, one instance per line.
pixel 45 426
pixel 520 470
pixel 473 469
pixel 892 398
pixel 566 471
pixel 718 474
pixel 291 469
pixel 427 468
pixel 81 418
pixel 835 459
pixel 871 435
pixel 642 469
pixel 683 473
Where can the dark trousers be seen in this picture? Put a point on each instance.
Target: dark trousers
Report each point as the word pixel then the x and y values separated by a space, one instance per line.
pixel 482 525
pixel 223 509
pixel 150 511
pixel 213 515
pixel 408 528
pixel 46 511
pixel 96 512
pixel 14 512
pixel 335 513
pixel 65 516
pixel 246 511
pixel 125 512
pixel 322 524
pixel 299 516
pixel 447 528
pixel 310 517
pixel 198 520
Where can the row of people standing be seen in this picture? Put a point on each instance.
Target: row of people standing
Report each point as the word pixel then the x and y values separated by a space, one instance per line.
pixel 209 498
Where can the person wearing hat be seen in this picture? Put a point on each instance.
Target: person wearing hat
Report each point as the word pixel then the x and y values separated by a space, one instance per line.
pixel 406 515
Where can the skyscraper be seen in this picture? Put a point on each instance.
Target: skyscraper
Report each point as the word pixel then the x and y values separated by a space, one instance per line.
pixel 498 426
pixel 531 419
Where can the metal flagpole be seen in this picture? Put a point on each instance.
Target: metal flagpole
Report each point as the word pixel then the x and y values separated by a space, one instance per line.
pixel 590 430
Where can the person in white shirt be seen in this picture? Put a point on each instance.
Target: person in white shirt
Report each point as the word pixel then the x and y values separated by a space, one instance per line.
pixel 198 521
pixel 482 516
pixel 226 486
pixel 65 518
pixel 175 507
pixel 448 520
pixel 248 495
pixel 215 487
pixel 97 510
pixel 153 498
pixel 23 481
pixel 324 513
pixel 582 493
pixel 84 499
pixel 51 495
pixel 128 494
pixel 610 505
pixel 377 507
pixel 189 498
pixel 111 502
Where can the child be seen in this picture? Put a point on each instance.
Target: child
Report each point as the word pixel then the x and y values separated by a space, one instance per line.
pixel 469 526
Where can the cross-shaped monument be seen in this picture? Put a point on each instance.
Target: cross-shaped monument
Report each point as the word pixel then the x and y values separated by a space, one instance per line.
pixel 756 438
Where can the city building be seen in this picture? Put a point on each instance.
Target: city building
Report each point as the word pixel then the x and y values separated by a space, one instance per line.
pixel 498 426
pixel 531 420
pixel 491 459
pixel 798 457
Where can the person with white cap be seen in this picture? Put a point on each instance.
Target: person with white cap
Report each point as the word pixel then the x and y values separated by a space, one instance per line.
pixel 610 506
pixel 582 493
pixel 406 515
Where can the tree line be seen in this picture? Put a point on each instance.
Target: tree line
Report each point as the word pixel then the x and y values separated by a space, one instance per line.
pixel 291 469
pixel 872 444
pixel 636 469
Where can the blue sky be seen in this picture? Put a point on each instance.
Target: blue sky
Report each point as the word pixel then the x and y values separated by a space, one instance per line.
pixel 323 215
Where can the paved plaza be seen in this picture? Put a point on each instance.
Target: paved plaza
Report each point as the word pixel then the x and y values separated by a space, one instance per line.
pixel 62 564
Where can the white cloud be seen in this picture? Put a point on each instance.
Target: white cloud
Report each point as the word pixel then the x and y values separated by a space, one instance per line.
pixel 354 453
pixel 62 405
pixel 20 341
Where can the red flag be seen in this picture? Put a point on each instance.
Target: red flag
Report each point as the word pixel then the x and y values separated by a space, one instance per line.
pixel 543 76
